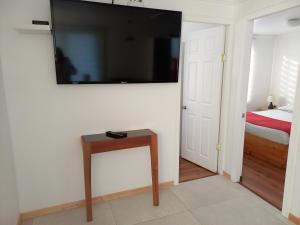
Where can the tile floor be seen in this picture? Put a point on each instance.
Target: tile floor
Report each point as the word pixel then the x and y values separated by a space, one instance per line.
pixel 208 201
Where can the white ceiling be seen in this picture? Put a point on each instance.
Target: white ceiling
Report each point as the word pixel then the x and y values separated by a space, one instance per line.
pixel 276 24
pixel 231 2
pixel 222 1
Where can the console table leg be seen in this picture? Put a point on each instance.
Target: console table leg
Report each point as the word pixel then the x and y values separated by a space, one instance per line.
pixel 87 183
pixel 154 169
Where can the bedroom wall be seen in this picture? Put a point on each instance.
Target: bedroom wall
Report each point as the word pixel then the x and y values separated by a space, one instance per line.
pixel 47 119
pixel 246 11
pixel 9 204
pixel 260 72
pixel 274 70
pixel 286 68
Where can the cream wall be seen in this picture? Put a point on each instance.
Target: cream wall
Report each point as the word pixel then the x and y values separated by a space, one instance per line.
pixel 47 119
pixel 9 204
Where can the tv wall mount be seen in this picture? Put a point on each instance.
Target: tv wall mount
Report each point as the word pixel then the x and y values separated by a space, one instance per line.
pixel 130 1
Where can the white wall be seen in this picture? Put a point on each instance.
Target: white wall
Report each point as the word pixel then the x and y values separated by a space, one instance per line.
pixel 247 11
pixel 188 27
pixel 9 205
pixel 286 68
pixel 257 8
pixel 49 170
pixel 260 72
pixel 274 69
pixel 47 120
pixel 286 87
pixel 292 179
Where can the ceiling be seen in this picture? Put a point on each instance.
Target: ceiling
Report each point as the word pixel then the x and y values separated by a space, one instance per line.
pixel 277 24
pixel 231 2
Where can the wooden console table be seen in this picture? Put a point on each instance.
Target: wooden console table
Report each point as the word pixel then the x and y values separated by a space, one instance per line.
pixel 98 143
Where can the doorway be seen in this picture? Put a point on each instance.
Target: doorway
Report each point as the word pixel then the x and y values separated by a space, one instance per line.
pixel 274 71
pixel 203 51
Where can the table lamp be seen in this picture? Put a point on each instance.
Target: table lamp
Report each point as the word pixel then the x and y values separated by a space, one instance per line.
pixel 270 99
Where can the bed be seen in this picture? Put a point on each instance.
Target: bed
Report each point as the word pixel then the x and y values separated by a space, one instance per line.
pixel 268 140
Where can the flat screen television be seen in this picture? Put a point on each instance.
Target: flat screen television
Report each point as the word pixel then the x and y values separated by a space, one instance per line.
pixel 104 43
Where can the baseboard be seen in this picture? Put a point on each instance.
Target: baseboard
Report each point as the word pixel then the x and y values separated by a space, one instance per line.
pixel 227 175
pixel 81 203
pixel 294 219
pixel 19 221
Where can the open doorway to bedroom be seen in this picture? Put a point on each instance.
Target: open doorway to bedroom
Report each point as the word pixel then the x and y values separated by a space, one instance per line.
pixel 274 71
pixel 203 47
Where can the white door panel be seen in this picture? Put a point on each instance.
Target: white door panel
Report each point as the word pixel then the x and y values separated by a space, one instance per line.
pixel 202 81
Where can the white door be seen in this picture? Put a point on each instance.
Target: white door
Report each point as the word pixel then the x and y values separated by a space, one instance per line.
pixel 202 84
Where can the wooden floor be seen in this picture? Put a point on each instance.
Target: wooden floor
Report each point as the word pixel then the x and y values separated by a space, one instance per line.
pixel 190 171
pixel 265 180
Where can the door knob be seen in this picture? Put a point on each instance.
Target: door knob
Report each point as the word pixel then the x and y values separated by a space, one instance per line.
pixel 184 107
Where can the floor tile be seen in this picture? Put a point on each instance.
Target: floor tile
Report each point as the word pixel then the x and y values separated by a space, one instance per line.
pixel 208 191
pixel 209 201
pixel 241 211
pixel 27 222
pixel 137 209
pixel 101 212
pixel 183 218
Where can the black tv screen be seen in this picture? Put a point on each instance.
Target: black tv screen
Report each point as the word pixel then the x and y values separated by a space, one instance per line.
pixel 106 43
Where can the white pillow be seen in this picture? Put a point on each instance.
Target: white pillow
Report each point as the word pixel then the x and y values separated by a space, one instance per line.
pixel 287 108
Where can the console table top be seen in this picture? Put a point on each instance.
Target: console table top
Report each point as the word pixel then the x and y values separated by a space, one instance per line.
pixel 102 137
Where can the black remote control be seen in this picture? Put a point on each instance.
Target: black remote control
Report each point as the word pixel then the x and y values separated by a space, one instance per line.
pixel 40 22
pixel 116 135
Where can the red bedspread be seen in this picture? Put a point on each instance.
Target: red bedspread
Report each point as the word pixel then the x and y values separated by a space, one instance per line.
pixel 264 121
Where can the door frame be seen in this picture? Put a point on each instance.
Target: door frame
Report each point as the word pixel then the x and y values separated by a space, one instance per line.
pixel 241 72
pixel 225 89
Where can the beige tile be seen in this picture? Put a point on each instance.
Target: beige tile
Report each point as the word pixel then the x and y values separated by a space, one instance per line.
pixel 27 222
pixel 273 211
pixel 133 210
pixel 240 211
pixel 183 218
pixel 212 201
pixel 101 212
pixel 208 191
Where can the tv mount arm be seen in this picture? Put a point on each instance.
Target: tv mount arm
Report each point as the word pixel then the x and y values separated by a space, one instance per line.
pixel 139 1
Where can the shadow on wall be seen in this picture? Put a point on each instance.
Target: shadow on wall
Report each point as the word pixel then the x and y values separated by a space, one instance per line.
pixel 288 81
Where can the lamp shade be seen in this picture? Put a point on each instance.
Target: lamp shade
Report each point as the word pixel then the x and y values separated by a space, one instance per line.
pixel 270 98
